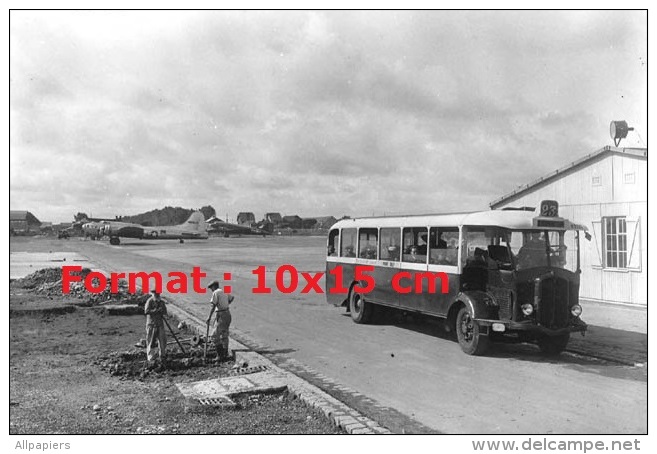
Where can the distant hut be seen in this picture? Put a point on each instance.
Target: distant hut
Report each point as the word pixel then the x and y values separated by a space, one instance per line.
pixel 46 227
pixel 308 223
pixel 274 218
pixel 293 222
pixel 23 222
pixel 325 222
pixel 246 218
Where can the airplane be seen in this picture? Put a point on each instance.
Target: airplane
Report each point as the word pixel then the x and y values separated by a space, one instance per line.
pixel 94 229
pixel 227 229
pixel 194 228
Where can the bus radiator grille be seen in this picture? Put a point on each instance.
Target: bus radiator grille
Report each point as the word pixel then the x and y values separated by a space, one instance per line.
pixel 553 309
pixel 504 301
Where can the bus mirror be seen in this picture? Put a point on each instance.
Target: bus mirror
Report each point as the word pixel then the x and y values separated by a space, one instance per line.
pixel 587 235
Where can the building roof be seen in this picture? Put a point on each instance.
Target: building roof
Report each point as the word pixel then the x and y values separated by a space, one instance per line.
pixel 641 153
pixel 20 215
pixel 17 215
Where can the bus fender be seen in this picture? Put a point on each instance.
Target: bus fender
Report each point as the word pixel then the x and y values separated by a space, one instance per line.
pixel 476 301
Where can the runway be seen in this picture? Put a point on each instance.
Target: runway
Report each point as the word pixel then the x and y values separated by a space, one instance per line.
pixel 407 366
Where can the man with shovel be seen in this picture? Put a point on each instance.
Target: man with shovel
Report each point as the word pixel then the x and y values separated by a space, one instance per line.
pixel 156 336
pixel 220 302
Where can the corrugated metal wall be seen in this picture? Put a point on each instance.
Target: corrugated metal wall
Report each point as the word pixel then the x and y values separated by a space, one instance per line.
pixel 611 185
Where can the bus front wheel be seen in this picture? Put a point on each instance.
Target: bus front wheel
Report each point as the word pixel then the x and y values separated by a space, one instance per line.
pixel 361 310
pixel 467 332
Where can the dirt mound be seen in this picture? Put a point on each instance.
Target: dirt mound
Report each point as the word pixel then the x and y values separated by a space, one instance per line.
pixel 133 364
pixel 122 296
pixel 40 278
pixel 48 282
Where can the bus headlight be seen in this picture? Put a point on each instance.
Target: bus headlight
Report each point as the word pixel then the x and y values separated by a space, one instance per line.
pixel 576 310
pixel 527 309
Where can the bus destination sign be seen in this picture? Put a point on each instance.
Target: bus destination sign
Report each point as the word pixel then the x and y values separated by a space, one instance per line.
pixel 549 208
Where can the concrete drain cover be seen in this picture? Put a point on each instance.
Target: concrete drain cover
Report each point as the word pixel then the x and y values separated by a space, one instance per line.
pixel 248 370
pixel 225 387
pixel 218 392
pixel 216 387
pixel 217 402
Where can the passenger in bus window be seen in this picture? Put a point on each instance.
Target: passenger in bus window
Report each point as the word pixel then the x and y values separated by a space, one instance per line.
pixel 532 253
pixel 393 252
pixel 422 248
pixel 451 256
pixel 561 256
pixel 349 251
pixel 368 252
pixel 439 257
pixel 443 253
pixel 480 257
pixel 333 242
pixel 419 257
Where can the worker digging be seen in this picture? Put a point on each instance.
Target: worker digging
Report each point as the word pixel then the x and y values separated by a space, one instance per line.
pixel 156 336
pixel 220 302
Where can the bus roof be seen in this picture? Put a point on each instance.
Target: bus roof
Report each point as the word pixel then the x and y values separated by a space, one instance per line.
pixel 510 219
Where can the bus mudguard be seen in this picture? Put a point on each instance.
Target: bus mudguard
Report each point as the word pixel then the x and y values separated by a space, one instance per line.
pixel 480 303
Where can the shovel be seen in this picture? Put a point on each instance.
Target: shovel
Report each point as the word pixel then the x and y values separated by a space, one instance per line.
pixel 174 336
pixel 207 338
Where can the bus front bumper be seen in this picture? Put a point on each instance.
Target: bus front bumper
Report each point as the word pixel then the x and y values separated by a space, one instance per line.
pixel 502 326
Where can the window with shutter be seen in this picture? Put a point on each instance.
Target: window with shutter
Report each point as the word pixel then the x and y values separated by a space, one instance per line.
pixel 597 241
pixel 617 242
pixel 634 243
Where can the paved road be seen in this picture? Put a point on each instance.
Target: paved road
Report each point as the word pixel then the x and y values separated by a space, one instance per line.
pixel 406 366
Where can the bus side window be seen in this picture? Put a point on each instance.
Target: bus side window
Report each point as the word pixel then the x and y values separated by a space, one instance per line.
pixel 443 245
pixel 390 243
pixel 367 243
pixel 348 243
pixel 332 248
pixel 415 245
pixel 474 238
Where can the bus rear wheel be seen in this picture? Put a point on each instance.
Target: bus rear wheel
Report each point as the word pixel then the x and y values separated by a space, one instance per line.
pixel 361 310
pixel 467 333
pixel 553 345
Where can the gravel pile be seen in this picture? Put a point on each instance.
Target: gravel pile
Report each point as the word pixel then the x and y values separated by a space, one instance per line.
pixel 48 282
pixel 39 278
pixel 132 363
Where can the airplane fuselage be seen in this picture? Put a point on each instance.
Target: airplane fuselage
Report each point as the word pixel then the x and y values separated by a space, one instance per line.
pixel 193 228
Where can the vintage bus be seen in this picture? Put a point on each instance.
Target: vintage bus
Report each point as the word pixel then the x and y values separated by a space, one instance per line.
pixel 499 275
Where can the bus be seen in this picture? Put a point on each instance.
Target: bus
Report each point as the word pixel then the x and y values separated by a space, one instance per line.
pixel 498 275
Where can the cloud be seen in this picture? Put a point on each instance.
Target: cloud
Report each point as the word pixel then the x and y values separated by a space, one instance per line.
pixel 309 112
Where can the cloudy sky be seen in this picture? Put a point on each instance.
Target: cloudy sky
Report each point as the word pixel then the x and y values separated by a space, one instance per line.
pixel 310 113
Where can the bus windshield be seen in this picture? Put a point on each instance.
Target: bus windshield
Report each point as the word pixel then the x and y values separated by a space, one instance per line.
pixel 520 249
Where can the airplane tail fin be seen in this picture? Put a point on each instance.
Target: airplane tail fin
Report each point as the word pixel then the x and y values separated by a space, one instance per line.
pixel 265 226
pixel 196 222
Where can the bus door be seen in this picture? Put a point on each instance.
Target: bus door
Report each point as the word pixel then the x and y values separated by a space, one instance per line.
pixel 348 249
pixel 332 261
pixel 413 266
pixel 387 267
pixel 443 258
